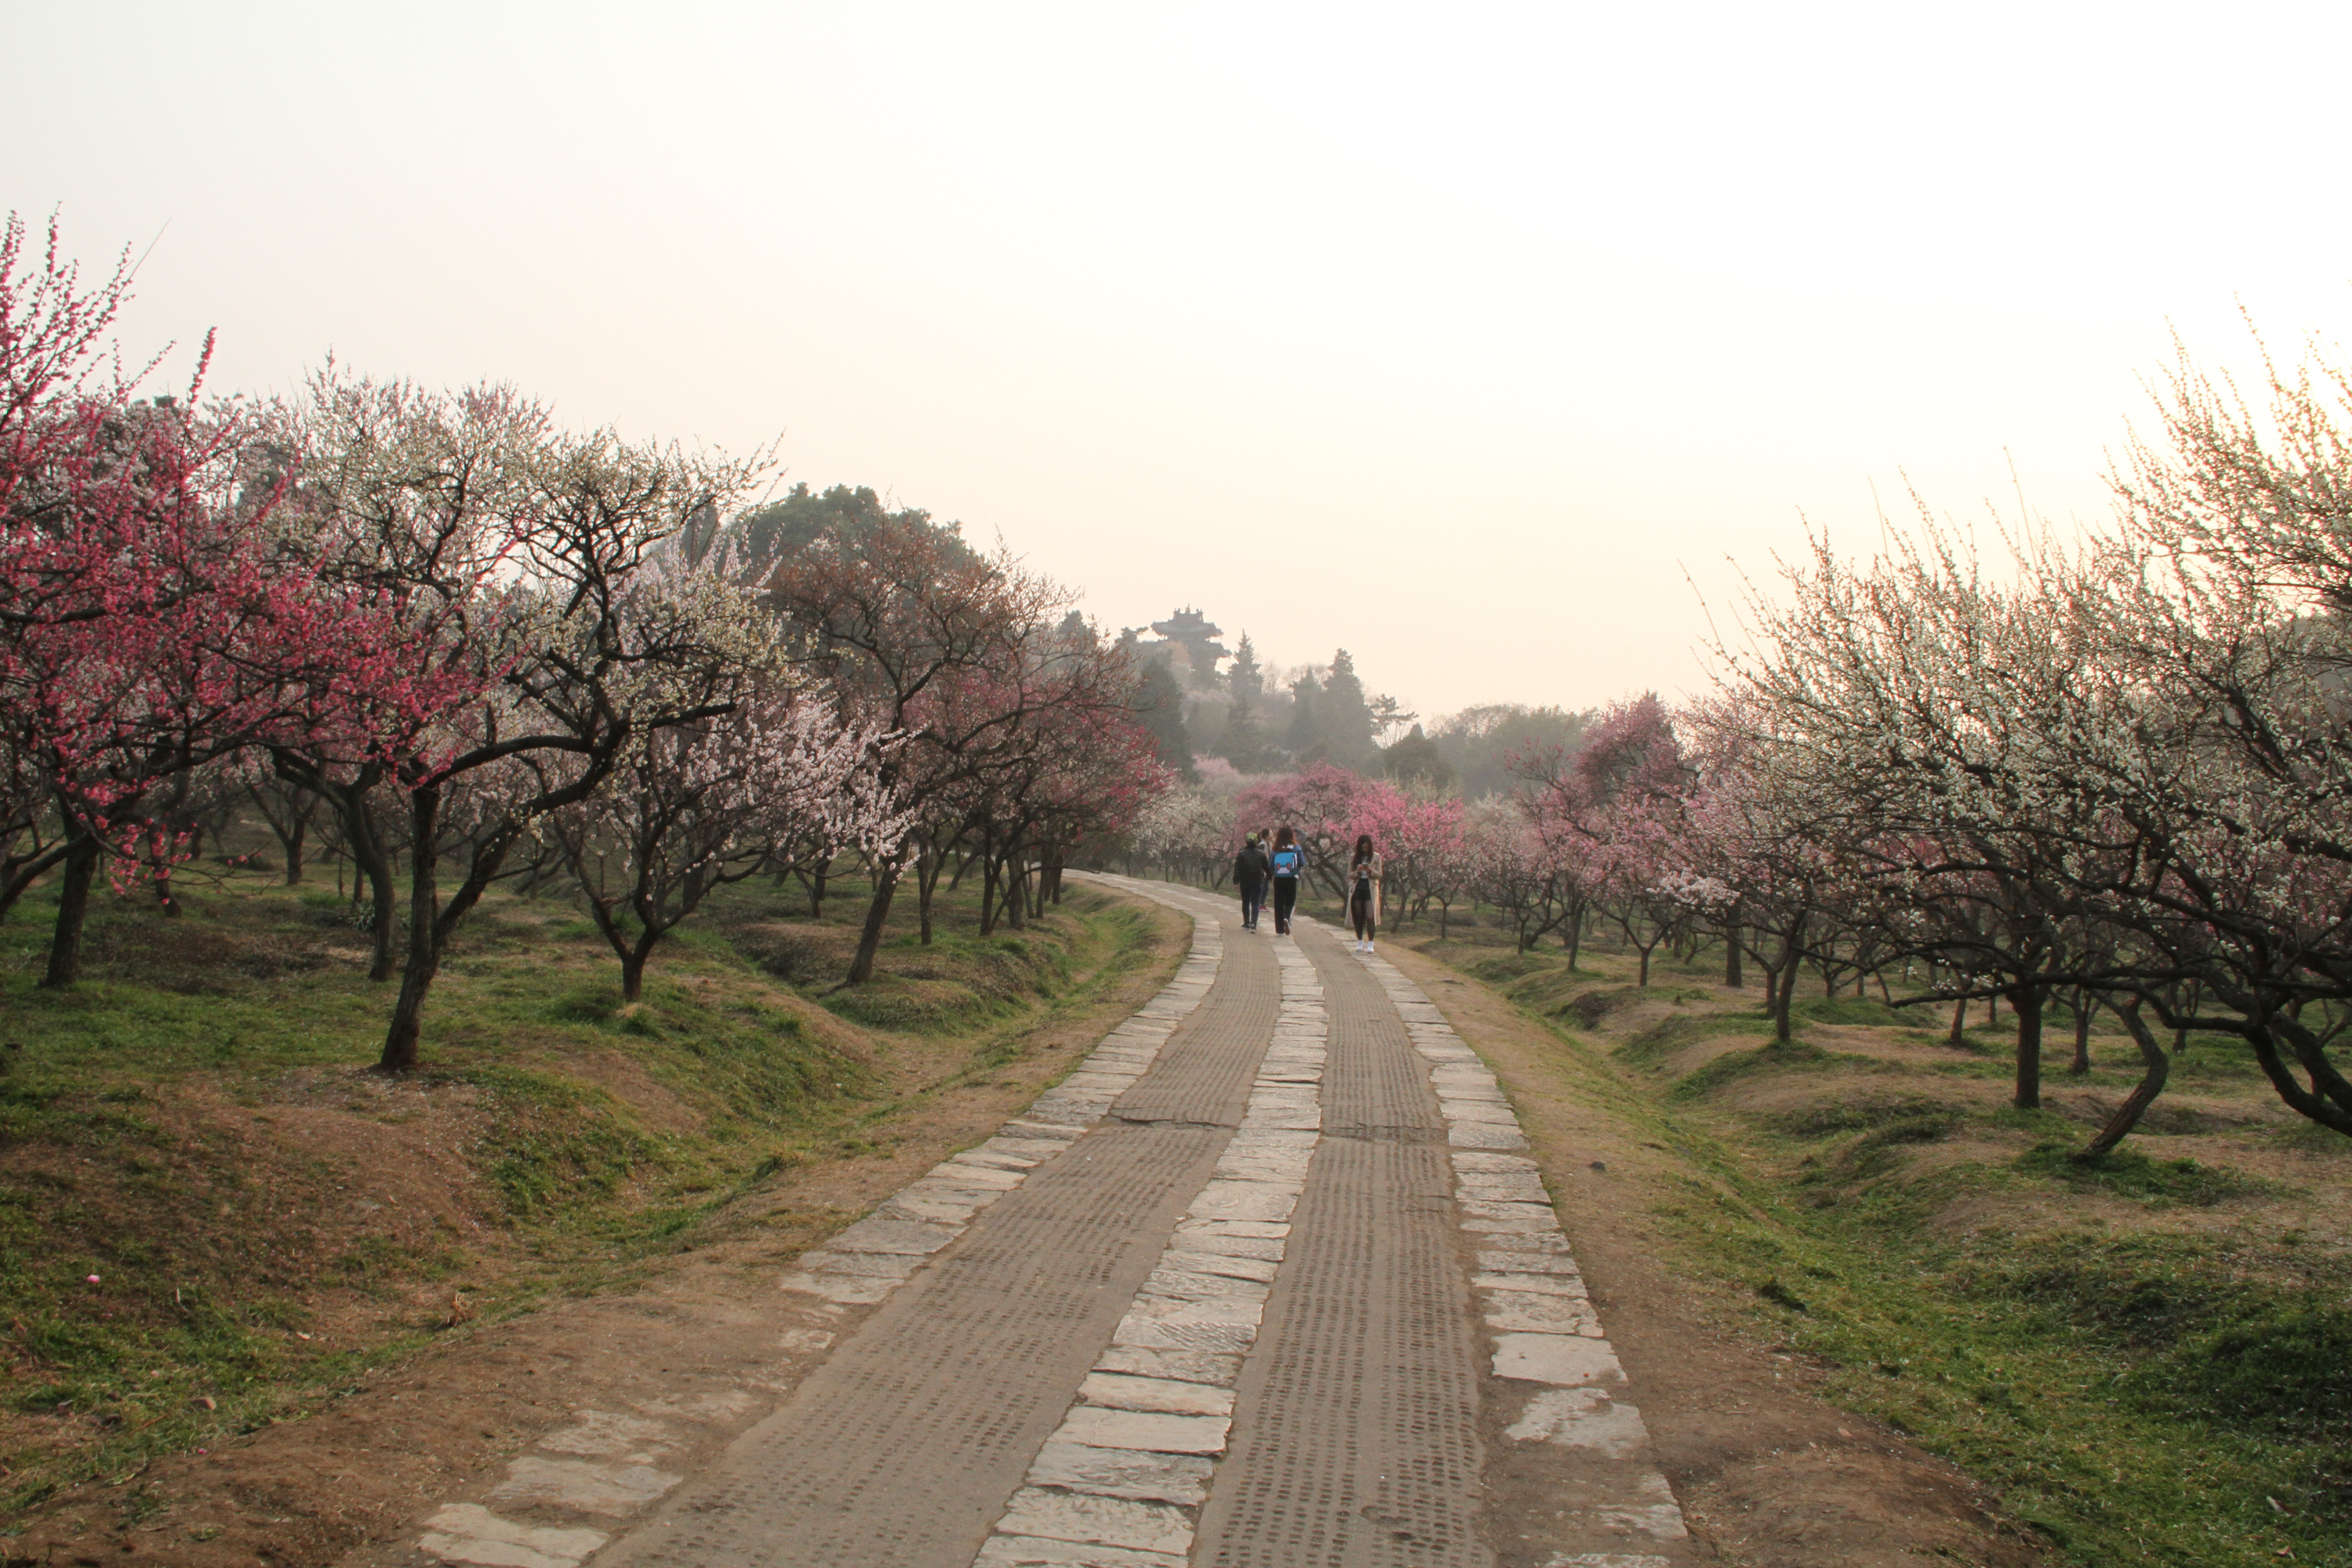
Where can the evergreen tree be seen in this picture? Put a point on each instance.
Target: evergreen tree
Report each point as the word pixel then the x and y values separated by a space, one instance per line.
pixel 1243 742
pixel 1304 741
pixel 1479 741
pixel 1159 709
pixel 767 534
pixel 1247 680
pixel 1416 762
pixel 1345 719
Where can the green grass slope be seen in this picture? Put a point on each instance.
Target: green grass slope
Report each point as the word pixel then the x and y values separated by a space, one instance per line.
pixel 213 1210
pixel 2149 1357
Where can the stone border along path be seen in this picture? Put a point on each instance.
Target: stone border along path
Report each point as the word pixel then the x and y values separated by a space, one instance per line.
pixel 1129 1466
pixel 1559 1379
pixel 1121 1482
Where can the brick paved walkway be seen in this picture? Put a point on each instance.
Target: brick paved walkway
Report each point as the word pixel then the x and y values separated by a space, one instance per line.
pixel 1265 1283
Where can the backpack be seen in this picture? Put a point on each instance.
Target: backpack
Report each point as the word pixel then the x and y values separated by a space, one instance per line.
pixel 1286 862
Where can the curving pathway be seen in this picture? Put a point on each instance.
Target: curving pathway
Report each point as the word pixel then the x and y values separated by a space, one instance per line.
pixel 1265 1283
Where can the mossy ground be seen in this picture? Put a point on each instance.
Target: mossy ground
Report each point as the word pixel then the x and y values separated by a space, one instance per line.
pixel 199 1127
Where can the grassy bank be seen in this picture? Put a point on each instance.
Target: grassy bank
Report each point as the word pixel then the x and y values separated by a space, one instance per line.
pixel 214 1213
pixel 2149 1357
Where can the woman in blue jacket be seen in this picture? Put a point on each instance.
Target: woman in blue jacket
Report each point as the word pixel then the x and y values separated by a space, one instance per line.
pixel 1288 862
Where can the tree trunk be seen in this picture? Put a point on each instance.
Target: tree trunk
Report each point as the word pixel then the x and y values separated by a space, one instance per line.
pixel 927 882
pixel 633 969
pixel 1012 891
pixel 73 910
pixel 349 802
pixel 2328 1099
pixel 292 840
pixel 2080 1066
pixel 374 862
pixel 1575 938
pixel 1792 957
pixel 386 906
pixel 1959 1023
pixel 20 875
pixel 1732 976
pixel 878 914
pixel 2151 1084
pixel 399 1041
pixel 2027 1001
pixel 816 892
pixel 1008 895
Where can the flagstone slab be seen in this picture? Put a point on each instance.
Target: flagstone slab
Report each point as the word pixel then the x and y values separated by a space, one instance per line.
pixel 468 1533
pixel 1122 1391
pixel 1188 1366
pixel 846 1290
pixel 1581 1418
pixel 1099 1520
pixel 1204 1262
pixel 1263 1202
pixel 583 1486
pixel 1468 1159
pixel 1568 1361
pixel 1478 1135
pixel 1568 1284
pixel 878 1265
pixel 1179 1478
pixel 1105 1429
pixel 893 1235
pixel 1540 1312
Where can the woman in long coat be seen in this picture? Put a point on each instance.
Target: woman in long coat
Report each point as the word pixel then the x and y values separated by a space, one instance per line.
pixel 1364 892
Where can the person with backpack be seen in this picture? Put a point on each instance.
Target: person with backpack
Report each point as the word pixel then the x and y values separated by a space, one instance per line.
pixel 1289 860
pixel 1364 891
pixel 1251 869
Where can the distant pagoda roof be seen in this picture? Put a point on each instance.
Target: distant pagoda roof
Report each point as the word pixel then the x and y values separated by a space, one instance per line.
pixel 1198 636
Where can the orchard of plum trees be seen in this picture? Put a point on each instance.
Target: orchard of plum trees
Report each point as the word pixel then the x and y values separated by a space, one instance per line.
pixel 462 645
pixel 458 644
pixel 2113 774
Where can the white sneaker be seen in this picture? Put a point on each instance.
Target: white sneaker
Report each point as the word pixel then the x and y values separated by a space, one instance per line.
pixel 1367 947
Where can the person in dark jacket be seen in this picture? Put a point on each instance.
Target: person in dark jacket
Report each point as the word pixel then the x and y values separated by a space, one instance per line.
pixel 1251 869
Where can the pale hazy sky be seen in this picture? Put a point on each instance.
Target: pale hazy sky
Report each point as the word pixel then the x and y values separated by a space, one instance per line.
pixel 1452 334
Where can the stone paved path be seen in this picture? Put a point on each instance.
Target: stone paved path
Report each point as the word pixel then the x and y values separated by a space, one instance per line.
pixel 1265 1283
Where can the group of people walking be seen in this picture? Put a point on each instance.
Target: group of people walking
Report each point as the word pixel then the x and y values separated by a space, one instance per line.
pixel 1274 863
